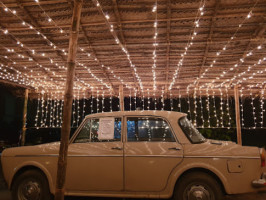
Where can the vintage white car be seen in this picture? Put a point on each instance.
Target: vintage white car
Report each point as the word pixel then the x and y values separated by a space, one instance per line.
pixel 140 154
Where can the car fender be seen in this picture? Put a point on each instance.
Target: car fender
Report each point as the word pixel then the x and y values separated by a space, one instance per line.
pixel 185 166
pixel 35 165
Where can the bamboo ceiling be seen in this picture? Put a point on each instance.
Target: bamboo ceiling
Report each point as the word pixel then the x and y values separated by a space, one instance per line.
pixel 137 44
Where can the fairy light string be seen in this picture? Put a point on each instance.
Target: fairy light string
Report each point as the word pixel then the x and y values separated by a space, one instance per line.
pixel 262 102
pixel 51 104
pixel 155 44
pixel 253 108
pixel 103 108
pixel 38 110
pixel 54 47
pixel 225 47
pixel 201 109
pixel 78 109
pixel 208 106
pixel 200 13
pixel 189 108
pixel 195 107
pixel 83 105
pixel 228 107
pixel 242 107
pixel 221 108
pixel 118 42
pixel 179 100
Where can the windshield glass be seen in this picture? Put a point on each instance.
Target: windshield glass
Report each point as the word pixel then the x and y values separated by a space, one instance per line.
pixel 191 132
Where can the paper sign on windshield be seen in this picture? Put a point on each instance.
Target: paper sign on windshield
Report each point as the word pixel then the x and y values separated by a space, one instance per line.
pixel 106 128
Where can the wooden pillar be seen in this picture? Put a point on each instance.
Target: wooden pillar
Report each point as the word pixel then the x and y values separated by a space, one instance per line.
pixel 24 117
pixel 68 97
pixel 237 110
pixel 121 98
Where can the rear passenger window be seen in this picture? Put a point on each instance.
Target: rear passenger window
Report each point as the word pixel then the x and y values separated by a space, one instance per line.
pixel 148 129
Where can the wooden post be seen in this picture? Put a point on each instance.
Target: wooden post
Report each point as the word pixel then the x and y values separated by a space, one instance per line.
pixel 68 98
pixel 121 98
pixel 24 117
pixel 237 110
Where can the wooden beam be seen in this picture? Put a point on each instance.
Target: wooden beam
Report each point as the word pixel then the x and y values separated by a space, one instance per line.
pixel 68 98
pixel 15 84
pixel 121 98
pixel 237 112
pixel 93 53
pixel 118 19
pixel 24 117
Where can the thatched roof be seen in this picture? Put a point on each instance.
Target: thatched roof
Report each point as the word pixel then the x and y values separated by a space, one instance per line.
pixel 237 25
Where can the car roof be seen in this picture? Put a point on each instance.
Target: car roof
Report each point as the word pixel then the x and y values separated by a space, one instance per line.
pixel 158 113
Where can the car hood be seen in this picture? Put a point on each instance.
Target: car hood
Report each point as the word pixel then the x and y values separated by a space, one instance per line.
pixel 43 149
pixel 216 148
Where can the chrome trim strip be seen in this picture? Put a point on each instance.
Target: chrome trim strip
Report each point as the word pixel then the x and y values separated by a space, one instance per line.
pixel 56 155
pixel 95 156
pixel 245 157
pixel 172 156
pixel 43 155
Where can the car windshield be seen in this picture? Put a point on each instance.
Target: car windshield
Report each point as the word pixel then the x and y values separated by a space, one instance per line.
pixel 191 132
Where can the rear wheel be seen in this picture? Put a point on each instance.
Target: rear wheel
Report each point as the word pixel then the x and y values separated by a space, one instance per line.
pixel 31 185
pixel 198 186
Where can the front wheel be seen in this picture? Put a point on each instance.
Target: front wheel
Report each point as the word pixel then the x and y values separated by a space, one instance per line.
pixel 31 185
pixel 198 186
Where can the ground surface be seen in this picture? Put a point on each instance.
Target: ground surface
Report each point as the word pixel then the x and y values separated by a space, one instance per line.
pixel 5 194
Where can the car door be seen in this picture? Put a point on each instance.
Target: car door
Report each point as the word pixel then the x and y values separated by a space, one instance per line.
pixel 95 157
pixel 151 153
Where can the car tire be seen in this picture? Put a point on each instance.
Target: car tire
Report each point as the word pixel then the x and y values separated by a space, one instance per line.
pixel 31 185
pixel 198 185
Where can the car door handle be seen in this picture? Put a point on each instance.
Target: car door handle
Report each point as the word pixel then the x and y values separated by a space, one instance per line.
pixel 117 148
pixel 174 148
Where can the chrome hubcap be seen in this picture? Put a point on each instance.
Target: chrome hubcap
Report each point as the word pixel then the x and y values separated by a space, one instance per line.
pixel 29 191
pixel 198 192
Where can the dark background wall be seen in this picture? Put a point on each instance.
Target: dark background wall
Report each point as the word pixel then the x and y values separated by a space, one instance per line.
pixel 11 111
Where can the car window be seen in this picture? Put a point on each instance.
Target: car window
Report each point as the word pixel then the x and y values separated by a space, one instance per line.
pixel 100 130
pixel 102 133
pixel 190 131
pixel 84 133
pixel 148 129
